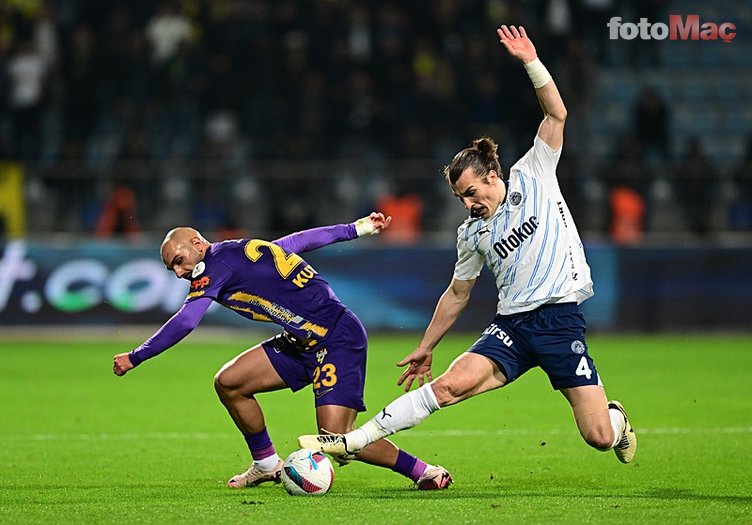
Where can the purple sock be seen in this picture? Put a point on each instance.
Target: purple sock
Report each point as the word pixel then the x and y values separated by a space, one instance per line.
pixel 260 445
pixel 409 466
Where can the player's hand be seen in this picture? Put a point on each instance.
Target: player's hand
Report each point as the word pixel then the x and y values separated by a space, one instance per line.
pixel 517 43
pixel 373 224
pixel 122 363
pixel 420 368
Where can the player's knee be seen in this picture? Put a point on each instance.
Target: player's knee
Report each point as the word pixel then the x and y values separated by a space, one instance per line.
pixel 600 439
pixel 218 383
pixel 231 385
pixel 223 383
pixel 447 391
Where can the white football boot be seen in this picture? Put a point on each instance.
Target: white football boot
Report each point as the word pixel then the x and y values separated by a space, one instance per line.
pixel 434 478
pixel 332 444
pixel 626 447
pixel 254 476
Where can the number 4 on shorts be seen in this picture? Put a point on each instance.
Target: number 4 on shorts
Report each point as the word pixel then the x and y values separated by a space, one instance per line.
pixel 583 369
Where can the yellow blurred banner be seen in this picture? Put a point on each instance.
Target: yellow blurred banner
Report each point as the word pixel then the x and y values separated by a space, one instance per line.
pixel 12 209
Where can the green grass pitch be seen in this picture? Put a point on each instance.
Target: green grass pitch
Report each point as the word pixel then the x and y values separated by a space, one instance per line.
pixel 80 445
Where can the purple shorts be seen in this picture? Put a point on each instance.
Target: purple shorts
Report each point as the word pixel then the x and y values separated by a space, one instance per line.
pixel 336 367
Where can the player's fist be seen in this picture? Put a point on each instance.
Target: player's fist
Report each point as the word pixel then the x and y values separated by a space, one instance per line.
pixel 122 363
pixel 373 224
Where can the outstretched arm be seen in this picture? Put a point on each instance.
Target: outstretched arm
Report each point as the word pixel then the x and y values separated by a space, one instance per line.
pixel 516 42
pixel 307 240
pixel 451 304
pixel 175 329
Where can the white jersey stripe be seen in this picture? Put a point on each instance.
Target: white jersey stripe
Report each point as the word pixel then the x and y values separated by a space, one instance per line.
pixel 543 252
pixel 558 286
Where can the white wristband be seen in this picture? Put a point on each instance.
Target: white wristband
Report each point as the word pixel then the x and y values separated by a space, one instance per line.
pixel 364 226
pixel 537 73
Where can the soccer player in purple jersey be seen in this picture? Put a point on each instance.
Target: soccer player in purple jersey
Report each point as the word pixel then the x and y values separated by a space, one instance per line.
pixel 322 343
pixel 520 228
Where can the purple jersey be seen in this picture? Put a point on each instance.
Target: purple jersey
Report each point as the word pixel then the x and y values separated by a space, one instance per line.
pixel 262 281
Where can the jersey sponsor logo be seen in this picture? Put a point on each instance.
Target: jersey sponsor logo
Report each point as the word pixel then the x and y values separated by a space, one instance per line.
pixel 200 283
pixel 559 204
pixel 275 311
pixel 320 355
pixel 563 216
pixel 500 334
pixel 515 239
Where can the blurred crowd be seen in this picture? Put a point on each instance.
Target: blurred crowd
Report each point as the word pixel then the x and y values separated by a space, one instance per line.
pixel 278 115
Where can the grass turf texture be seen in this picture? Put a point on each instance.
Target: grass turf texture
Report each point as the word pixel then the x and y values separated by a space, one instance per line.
pixel 80 445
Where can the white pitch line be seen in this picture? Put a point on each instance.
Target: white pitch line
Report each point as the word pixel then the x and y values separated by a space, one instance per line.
pixel 146 436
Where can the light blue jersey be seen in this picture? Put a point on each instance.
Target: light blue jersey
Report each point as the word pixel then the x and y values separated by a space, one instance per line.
pixel 530 243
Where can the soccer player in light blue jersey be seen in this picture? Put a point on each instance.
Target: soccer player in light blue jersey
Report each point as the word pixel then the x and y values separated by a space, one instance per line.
pixel 519 227
pixel 322 344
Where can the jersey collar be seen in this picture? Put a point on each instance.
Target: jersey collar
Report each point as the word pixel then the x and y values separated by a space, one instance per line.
pixel 504 200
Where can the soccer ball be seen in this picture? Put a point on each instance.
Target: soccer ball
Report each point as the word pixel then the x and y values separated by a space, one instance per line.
pixel 307 473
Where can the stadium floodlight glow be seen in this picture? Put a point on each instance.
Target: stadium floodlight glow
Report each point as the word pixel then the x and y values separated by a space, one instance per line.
pixel 678 28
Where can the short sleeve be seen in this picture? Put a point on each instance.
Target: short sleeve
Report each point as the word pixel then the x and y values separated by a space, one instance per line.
pixel 540 160
pixel 469 262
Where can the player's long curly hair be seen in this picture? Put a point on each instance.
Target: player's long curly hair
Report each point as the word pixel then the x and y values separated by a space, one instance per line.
pixel 481 156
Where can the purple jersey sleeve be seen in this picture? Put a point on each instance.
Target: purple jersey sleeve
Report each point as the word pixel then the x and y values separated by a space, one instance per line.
pixel 175 329
pixel 314 238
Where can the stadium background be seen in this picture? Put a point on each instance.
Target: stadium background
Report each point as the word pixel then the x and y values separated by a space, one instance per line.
pixel 122 119
pixel 119 121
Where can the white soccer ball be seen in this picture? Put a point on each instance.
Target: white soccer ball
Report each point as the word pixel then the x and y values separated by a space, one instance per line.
pixel 307 473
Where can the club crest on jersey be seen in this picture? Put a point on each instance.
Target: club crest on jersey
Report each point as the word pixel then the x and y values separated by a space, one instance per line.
pixel 515 198
pixel 198 269
pixel 200 283
pixel 578 347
